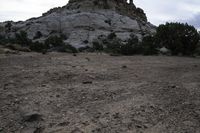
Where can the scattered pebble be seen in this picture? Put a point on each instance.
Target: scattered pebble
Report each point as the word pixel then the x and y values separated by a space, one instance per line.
pixel 88 59
pixel 63 124
pixel 124 66
pixel 32 116
pixel 87 82
pixel 57 96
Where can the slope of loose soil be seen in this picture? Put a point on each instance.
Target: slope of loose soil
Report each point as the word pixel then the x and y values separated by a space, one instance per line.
pixel 92 93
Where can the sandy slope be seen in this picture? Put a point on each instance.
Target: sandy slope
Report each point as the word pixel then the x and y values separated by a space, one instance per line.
pixel 90 93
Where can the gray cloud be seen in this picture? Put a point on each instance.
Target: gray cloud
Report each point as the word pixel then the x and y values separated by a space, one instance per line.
pixel 24 9
pixel 195 21
pixel 161 11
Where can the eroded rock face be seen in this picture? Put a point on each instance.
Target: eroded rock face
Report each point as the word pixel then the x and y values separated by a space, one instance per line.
pixel 82 21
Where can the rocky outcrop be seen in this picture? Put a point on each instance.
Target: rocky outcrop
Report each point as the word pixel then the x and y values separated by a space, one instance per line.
pixel 81 21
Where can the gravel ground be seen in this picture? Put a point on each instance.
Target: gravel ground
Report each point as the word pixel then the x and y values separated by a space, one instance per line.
pixel 93 93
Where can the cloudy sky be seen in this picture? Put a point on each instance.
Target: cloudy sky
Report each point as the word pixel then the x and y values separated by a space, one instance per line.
pixel 158 11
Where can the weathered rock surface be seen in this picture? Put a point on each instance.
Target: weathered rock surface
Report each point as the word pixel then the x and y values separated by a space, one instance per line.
pixel 82 21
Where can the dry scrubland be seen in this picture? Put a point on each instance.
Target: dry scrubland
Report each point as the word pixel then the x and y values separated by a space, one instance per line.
pixel 90 93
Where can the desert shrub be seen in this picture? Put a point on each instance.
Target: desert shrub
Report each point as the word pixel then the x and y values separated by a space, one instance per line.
pixel 22 39
pixel 112 36
pixel 197 51
pixel 149 46
pixel 38 47
pixel 54 41
pixel 86 49
pixel 97 45
pixel 69 49
pixel 108 21
pixel 178 38
pixel 3 40
pixel 85 41
pixel 64 36
pixel 8 26
pixel 132 46
pixel 38 35
pixel 103 4
pixel 17 47
pixel 112 44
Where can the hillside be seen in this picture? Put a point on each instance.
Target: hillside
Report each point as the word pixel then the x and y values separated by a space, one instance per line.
pixel 82 21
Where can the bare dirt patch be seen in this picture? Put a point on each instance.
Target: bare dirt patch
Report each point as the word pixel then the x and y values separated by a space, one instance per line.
pixel 90 93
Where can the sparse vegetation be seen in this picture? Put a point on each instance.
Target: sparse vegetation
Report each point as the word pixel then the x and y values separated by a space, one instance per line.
pixel 38 47
pixel 8 26
pixel 3 40
pixel 178 38
pixel 69 49
pixel 22 39
pixel 132 46
pixel 112 44
pixel 149 46
pixel 54 41
pixel 97 46
pixel 38 35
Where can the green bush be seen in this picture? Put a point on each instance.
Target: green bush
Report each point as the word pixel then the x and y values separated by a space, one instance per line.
pixel 112 44
pixel 97 45
pixel 38 35
pixel 198 49
pixel 3 40
pixel 69 49
pixel 132 46
pixel 38 47
pixel 112 36
pixel 17 47
pixel 8 26
pixel 149 47
pixel 54 41
pixel 22 39
pixel 178 38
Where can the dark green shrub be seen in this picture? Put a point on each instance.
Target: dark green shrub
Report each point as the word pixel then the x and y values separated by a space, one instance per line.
pixel 97 46
pixel 108 21
pixel 22 39
pixel 38 47
pixel 132 46
pixel 149 46
pixel 17 47
pixel 8 26
pixel 54 41
pixel 63 36
pixel 69 49
pixel 86 49
pixel 177 37
pixel 85 41
pixel 38 35
pixel 112 36
pixel 3 40
pixel 197 51
pixel 113 45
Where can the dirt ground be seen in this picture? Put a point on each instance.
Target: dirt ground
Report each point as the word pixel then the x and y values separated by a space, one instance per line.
pixel 91 93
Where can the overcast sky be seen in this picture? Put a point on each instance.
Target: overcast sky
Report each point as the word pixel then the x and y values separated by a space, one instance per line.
pixel 158 11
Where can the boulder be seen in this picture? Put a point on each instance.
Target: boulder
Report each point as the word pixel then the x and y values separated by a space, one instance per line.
pixel 84 20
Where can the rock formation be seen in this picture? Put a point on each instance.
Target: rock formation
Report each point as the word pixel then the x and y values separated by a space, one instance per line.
pixel 81 21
